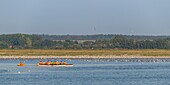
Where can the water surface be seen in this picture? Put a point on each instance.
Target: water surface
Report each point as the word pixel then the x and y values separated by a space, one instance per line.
pixel 86 72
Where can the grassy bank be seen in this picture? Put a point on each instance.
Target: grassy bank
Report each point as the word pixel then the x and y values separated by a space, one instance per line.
pixel 84 52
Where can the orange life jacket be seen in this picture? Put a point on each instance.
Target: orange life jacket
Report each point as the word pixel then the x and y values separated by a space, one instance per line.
pixel 65 63
pixel 47 63
pixel 41 63
pixel 60 62
pixel 56 63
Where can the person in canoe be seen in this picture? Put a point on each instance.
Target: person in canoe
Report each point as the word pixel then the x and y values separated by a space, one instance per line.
pixel 48 63
pixel 60 62
pixel 65 63
pixel 41 63
pixel 21 64
pixel 52 62
pixel 56 62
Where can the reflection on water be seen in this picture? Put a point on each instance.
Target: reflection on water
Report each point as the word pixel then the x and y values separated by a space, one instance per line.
pixel 88 72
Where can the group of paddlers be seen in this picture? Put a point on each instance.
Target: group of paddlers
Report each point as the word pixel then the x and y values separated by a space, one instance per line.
pixel 52 63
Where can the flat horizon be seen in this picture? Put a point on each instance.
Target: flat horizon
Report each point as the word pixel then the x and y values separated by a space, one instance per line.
pixel 84 34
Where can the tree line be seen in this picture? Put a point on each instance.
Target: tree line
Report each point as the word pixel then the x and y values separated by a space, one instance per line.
pixel 25 41
pixel 99 36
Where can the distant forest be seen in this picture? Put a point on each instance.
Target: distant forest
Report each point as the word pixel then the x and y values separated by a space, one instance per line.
pixel 25 41
pixel 100 36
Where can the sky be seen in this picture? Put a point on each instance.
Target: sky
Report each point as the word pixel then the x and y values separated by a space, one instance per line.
pixel 82 17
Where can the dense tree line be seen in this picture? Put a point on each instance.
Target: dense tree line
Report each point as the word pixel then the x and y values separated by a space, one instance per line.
pixel 24 41
pixel 100 36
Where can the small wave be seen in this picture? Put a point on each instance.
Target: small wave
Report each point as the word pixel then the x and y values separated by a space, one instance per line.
pixel 3 71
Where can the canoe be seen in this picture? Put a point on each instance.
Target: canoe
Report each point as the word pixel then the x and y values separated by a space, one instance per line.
pixel 21 65
pixel 58 65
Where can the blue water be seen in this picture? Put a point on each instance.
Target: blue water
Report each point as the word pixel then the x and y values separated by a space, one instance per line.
pixel 86 72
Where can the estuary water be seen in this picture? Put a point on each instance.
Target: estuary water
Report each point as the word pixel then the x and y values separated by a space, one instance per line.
pixel 87 72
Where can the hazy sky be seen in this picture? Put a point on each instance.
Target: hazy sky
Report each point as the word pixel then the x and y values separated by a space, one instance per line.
pixel 141 17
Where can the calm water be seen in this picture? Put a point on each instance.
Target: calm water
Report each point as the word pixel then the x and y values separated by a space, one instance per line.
pixel 86 72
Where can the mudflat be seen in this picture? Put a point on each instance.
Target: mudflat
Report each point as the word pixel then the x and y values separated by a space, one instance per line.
pixel 111 53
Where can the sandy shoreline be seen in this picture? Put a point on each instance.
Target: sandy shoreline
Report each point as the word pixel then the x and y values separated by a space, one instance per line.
pixel 79 57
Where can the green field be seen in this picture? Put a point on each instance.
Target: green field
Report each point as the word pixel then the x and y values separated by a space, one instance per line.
pixel 84 52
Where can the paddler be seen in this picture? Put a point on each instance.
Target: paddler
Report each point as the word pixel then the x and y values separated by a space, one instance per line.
pixel 41 63
pixel 64 62
pixel 52 62
pixel 56 63
pixel 21 64
pixel 48 62
pixel 60 62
